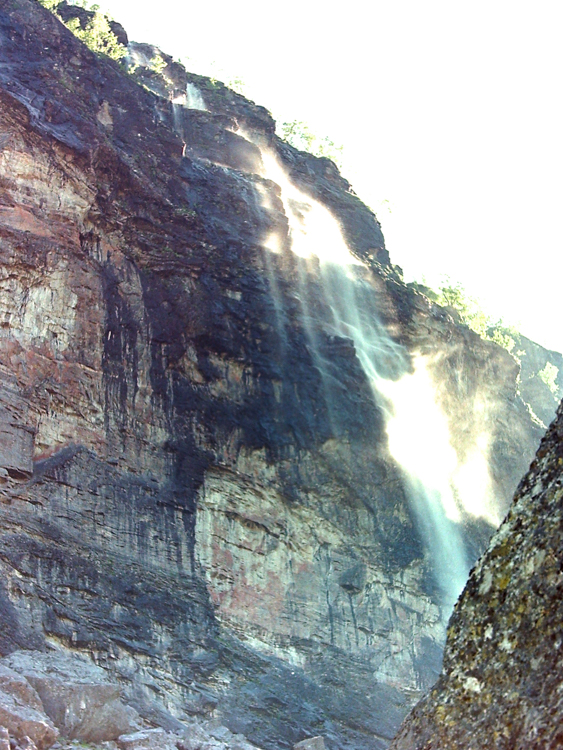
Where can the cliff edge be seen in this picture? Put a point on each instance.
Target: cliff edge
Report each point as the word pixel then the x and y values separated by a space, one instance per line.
pixel 200 492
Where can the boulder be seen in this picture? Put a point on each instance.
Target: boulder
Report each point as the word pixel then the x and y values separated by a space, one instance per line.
pixel 4 739
pixel 212 735
pixel 20 719
pixel 311 743
pixel 26 743
pixel 76 695
pixel 148 739
pixel 194 737
pixel 17 686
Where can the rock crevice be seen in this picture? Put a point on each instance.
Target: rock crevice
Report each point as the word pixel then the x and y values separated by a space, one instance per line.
pixel 197 484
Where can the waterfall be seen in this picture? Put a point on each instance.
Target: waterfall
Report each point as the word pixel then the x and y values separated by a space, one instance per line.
pixel 194 99
pixel 417 429
pixel 191 99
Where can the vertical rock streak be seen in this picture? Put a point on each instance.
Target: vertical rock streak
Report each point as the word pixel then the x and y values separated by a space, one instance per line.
pixel 197 382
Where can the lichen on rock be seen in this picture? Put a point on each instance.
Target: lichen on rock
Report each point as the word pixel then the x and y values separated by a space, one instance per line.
pixel 197 486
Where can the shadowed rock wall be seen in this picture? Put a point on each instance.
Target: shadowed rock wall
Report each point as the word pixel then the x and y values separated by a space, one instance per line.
pixel 180 501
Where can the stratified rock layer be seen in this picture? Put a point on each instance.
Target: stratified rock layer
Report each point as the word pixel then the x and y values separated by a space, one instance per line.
pixel 501 684
pixel 180 499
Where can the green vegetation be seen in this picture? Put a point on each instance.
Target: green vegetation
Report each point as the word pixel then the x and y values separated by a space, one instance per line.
pixel 237 84
pixel 300 135
pixel 472 314
pixel 453 294
pixel 158 65
pixel 549 375
pixel 97 34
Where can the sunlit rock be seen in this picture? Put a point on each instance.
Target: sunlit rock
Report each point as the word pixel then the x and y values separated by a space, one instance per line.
pixel 219 404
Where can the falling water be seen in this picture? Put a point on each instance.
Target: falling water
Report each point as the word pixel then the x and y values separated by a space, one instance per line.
pixel 194 99
pixel 191 99
pixel 417 429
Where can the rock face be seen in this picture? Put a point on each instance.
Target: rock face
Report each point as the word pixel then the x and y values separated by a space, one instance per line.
pixel 501 681
pixel 199 490
pixel 541 378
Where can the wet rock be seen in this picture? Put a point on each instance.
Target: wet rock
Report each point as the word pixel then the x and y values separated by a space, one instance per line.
pixel 77 696
pixel 185 500
pixel 208 137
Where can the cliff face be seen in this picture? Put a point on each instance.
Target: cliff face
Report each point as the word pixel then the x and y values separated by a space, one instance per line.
pixel 541 378
pixel 198 489
pixel 501 681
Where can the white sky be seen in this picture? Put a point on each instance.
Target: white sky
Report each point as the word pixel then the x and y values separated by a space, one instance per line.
pixel 452 111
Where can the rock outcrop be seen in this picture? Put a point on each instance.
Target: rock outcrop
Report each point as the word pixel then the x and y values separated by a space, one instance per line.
pixel 61 700
pixel 22 714
pixel 541 378
pixel 501 681
pixel 76 695
pixel 198 490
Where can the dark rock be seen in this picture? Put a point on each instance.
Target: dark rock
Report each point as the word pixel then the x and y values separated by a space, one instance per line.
pixel 202 491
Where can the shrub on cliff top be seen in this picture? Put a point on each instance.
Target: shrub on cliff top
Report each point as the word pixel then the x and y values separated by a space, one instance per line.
pixel 300 135
pixel 453 294
pixel 96 34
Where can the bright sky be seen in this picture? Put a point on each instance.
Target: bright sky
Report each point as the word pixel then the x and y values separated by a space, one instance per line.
pixel 452 111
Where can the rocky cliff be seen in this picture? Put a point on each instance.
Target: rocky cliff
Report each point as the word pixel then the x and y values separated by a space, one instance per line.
pixel 541 378
pixel 501 681
pixel 201 490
